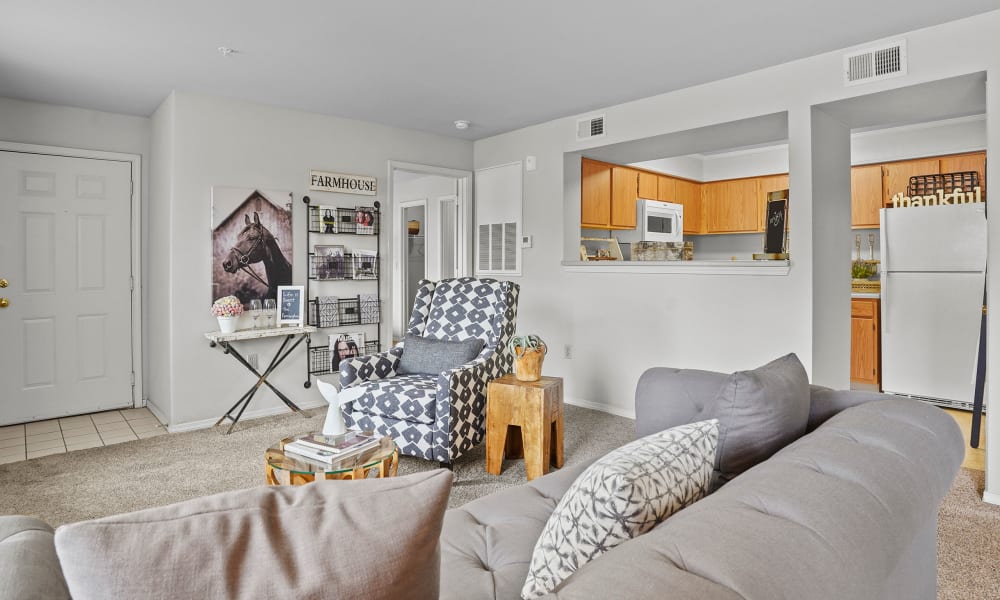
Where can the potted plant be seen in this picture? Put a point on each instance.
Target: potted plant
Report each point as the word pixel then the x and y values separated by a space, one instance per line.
pixel 227 310
pixel 529 352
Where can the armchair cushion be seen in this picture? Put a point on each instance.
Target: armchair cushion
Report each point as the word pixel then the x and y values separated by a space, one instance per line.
pixel 404 397
pixel 429 356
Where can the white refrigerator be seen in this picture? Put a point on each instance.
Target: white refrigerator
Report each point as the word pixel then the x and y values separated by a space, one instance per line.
pixel 933 278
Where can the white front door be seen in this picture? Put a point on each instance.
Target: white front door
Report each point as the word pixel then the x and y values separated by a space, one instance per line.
pixel 65 253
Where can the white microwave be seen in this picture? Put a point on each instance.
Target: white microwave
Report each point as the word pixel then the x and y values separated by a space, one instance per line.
pixel 656 222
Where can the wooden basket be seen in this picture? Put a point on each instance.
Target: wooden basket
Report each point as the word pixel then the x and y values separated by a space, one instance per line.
pixel 866 286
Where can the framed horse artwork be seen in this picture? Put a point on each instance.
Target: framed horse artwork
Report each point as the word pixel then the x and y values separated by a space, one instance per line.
pixel 251 242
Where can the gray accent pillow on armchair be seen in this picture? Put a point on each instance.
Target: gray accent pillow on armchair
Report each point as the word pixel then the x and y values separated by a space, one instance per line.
pixel 428 356
pixel 760 412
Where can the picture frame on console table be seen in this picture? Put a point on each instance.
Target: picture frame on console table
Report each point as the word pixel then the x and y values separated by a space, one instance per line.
pixel 290 305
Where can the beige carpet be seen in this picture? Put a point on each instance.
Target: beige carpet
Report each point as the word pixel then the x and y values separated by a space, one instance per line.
pixel 125 477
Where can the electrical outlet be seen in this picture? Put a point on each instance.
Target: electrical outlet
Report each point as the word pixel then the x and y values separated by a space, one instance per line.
pixel 567 351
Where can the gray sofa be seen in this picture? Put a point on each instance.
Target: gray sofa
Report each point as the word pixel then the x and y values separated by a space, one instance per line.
pixel 848 510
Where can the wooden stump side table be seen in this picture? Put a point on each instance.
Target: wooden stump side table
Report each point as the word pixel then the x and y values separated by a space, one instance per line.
pixel 524 418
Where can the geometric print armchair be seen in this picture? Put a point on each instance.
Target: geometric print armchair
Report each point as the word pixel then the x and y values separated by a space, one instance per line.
pixel 437 417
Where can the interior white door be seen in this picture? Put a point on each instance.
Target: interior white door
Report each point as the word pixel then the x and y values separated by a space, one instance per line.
pixel 65 251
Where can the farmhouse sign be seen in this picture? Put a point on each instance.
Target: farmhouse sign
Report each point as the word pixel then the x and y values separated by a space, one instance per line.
pixel 321 181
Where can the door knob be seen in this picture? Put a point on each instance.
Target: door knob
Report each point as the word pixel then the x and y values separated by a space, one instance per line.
pixel 4 303
pixel 3 283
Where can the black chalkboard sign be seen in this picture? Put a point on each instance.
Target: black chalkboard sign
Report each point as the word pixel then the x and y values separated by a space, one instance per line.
pixel 774 236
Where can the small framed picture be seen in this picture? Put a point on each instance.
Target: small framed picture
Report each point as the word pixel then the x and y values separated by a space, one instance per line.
pixel 290 305
pixel 329 261
pixel 345 345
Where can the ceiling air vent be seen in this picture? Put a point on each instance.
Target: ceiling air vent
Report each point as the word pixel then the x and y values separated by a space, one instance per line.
pixel 591 127
pixel 874 64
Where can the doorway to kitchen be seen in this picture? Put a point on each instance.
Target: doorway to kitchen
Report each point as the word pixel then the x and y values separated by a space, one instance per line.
pixel 432 221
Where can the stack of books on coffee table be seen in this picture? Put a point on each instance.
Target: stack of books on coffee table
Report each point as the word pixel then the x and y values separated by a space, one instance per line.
pixel 331 448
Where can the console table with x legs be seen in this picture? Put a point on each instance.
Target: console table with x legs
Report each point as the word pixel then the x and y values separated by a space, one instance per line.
pixel 225 342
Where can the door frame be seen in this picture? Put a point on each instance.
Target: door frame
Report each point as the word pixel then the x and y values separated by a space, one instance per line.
pixel 135 235
pixel 403 270
pixel 397 242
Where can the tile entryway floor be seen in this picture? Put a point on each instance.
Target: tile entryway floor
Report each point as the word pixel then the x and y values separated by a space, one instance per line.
pixel 57 436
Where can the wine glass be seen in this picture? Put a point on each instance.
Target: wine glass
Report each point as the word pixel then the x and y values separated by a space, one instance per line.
pixel 255 311
pixel 270 309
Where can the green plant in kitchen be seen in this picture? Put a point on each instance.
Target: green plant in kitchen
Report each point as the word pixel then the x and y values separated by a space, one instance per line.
pixel 529 352
pixel 861 270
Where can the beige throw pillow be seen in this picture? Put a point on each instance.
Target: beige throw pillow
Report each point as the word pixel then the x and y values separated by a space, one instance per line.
pixel 372 538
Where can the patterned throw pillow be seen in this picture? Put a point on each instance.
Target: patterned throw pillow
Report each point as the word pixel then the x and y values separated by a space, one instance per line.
pixel 622 495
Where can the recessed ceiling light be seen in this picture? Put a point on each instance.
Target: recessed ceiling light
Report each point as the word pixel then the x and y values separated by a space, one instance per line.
pixel 461 124
pixel 226 50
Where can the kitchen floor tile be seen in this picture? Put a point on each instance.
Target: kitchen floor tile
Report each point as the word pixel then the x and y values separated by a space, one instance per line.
pixel 145 425
pixel 112 416
pixel 151 433
pixel 117 437
pixel 132 414
pixel 13 451
pixel 71 422
pixel 78 431
pixel 5 458
pixel 44 444
pixel 46 452
pixel 41 427
pixel 11 431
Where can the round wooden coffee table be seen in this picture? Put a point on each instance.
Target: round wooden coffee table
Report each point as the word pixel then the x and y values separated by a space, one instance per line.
pixel 291 469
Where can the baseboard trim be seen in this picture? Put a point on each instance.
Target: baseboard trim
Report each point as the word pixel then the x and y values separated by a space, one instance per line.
pixel 991 497
pixel 248 415
pixel 611 410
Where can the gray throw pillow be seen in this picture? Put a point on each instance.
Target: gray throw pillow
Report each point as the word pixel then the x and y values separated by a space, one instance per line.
pixel 624 494
pixel 760 412
pixel 371 538
pixel 428 356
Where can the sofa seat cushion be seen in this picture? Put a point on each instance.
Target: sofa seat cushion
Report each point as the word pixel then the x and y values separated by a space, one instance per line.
pixel 622 495
pixel 406 398
pixel 29 567
pixel 486 544
pixel 760 412
pixel 328 539
pixel 827 517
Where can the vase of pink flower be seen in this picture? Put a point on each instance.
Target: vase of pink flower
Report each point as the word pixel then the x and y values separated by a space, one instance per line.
pixel 227 310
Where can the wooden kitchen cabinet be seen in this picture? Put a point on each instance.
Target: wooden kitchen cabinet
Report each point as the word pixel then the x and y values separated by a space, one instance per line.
pixel 595 194
pixel 975 161
pixel 897 175
pixel 731 206
pixel 866 196
pixel 767 184
pixel 624 192
pixel 666 189
pixel 648 186
pixel 688 194
pixel 865 343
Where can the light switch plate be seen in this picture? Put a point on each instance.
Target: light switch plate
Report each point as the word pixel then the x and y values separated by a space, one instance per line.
pixel 530 163
pixel 526 241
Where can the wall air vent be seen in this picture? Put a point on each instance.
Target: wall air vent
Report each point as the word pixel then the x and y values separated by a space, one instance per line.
pixel 874 64
pixel 590 127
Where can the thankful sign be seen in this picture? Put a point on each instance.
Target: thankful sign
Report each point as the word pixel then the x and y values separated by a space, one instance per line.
pixel 957 196
pixel 321 181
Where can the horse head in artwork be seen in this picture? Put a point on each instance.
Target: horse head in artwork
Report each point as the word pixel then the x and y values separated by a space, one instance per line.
pixel 255 244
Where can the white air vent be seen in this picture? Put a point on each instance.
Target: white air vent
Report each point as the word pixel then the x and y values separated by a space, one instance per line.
pixel 498 247
pixel 591 127
pixel 874 64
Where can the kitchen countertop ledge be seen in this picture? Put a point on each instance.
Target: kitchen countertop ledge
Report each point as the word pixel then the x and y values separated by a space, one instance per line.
pixel 681 267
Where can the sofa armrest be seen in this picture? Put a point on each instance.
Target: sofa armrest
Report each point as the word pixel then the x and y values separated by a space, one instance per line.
pixel 29 566
pixel 666 397
pixel 825 402
pixel 373 367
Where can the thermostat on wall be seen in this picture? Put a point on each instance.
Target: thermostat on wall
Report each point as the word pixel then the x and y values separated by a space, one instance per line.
pixel 526 241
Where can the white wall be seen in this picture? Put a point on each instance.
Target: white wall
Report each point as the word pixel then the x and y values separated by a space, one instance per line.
pixel 223 142
pixel 619 325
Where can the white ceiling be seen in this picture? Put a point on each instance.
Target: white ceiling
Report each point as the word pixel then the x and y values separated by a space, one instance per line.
pixel 422 64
